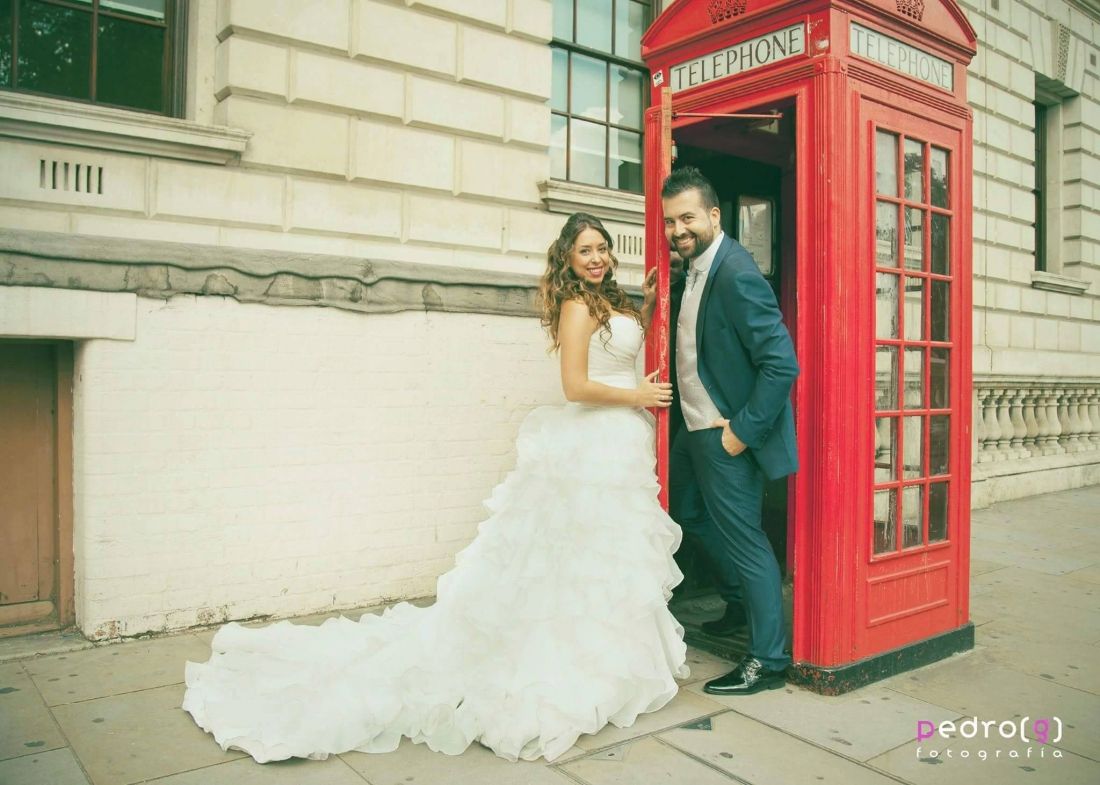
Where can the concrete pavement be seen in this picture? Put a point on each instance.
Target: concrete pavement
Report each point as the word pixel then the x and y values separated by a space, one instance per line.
pixel 74 713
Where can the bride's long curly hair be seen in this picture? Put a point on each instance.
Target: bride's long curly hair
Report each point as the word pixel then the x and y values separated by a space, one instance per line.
pixel 559 283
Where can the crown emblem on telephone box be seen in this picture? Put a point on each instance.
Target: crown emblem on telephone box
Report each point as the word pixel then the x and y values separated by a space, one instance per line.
pixel 911 8
pixel 721 10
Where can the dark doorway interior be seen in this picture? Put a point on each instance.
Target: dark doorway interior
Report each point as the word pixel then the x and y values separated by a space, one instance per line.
pixel 752 166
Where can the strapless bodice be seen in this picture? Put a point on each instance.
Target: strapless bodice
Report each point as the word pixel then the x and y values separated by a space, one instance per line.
pixel 611 358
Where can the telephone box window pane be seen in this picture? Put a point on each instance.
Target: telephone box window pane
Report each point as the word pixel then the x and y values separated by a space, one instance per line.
pixel 589 88
pixel 55 50
pixel 886 521
pixel 914 378
pixel 886 163
pixel 914 309
pixel 939 178
pixel 559 82
pixel 914 171
pixel 914 239
pixel 939 444
pixel 563 19
pixel 912 516
pixel 886 306
pixel 886 377
pixel 629 26
pixel 594 24
pixel 937 512
pixel 941 319
pixel 940 382
pixel 626 161
pixel 5 43
pixel 558 135
pixel 587 152
pixel 627 85
pixel 886 449
pixel 886 234
pixel 913 455
pixel 145 9
pixel 941 244
pixel 131 62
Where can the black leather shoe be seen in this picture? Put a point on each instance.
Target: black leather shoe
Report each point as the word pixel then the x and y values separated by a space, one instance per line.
pixel 748 677
pixel 732 621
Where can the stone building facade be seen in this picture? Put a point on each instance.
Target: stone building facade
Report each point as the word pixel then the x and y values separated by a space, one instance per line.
pixel 298 317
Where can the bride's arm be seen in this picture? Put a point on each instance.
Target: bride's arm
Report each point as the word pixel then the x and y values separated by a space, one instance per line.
pixel 575 329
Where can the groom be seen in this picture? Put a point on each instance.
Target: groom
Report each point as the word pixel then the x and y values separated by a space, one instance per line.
pixel 735 365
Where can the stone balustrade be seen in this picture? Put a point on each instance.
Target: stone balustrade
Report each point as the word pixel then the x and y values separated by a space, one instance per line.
pixel 1029 418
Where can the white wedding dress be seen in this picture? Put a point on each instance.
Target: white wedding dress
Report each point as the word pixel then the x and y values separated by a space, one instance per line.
pixel 552 623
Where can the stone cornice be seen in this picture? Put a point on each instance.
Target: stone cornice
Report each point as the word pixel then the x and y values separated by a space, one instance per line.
pixel 162 270
pixel 57 121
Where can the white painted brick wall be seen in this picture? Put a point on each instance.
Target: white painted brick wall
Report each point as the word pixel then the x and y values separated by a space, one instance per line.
pixel 248 459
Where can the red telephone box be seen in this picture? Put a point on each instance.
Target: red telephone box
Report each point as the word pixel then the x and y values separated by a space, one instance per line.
pixel 838 136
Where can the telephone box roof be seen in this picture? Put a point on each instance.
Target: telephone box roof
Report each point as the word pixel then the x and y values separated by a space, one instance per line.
pixel 688 22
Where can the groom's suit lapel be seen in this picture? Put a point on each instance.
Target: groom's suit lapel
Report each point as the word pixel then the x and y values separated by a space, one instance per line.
pixel 712 273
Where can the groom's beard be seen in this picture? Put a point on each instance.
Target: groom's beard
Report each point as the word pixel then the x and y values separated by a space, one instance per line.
pixel 697 243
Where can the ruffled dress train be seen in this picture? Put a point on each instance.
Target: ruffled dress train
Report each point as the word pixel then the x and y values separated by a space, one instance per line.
pixel 552 623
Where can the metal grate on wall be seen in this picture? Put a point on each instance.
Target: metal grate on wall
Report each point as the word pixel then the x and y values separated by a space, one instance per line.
pixel 70 176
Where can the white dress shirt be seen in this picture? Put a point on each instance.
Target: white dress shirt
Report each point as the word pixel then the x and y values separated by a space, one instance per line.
pixel 699 410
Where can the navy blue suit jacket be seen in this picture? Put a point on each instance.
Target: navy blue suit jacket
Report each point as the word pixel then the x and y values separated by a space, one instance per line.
pixel 746 358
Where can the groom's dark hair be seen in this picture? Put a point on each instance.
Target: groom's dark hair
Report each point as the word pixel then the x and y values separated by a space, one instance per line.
pixel 685 179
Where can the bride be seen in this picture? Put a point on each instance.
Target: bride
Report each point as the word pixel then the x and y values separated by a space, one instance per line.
pixel 553 621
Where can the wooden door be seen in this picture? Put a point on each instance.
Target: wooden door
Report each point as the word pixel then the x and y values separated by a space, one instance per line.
pixel 33 500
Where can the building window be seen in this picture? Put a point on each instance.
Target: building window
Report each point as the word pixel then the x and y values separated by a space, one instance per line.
pixel 1042 190
pixel 123 53
pixel 598 92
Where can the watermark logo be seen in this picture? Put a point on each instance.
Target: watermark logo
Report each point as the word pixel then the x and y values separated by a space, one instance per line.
pixel 1003 739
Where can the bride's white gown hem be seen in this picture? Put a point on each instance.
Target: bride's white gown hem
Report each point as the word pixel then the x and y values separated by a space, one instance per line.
pixel 552 623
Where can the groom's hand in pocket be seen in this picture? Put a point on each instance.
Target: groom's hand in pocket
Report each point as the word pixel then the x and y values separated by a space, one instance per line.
pixel 730 442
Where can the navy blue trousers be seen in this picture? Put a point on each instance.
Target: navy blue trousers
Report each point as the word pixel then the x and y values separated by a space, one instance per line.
pixel 718 498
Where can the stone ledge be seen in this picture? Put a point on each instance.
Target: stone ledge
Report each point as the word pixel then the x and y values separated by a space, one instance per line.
pixel 57 121
pixel 1058 283
pixel 565 197
pixel 161 269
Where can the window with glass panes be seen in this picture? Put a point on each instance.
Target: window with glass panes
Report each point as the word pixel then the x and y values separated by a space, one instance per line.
pixel 913 272
pixel 120 53
pixel 598 92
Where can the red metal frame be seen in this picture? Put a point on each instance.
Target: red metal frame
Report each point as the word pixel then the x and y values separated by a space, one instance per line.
pixel 849 603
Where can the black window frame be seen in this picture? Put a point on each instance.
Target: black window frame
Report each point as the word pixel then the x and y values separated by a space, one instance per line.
pixel 610 60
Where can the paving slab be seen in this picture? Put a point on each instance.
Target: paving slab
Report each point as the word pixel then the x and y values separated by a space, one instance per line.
pixel 688 705
pixel 643 762
pixel 56 767
pixel 287 772
pixel 1052 620
pixel 1087 574
pixel 704 666
pixel 981 567
pixel 1042 558
pixel 417 764
pixel 975 688
pixel 937 761
pixel 25 723
pixel 137 736
pixel 43 643
pixel 1020 590
pixel 859 724
pixel 734 744
pixel 1074 665
pixel 116 669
